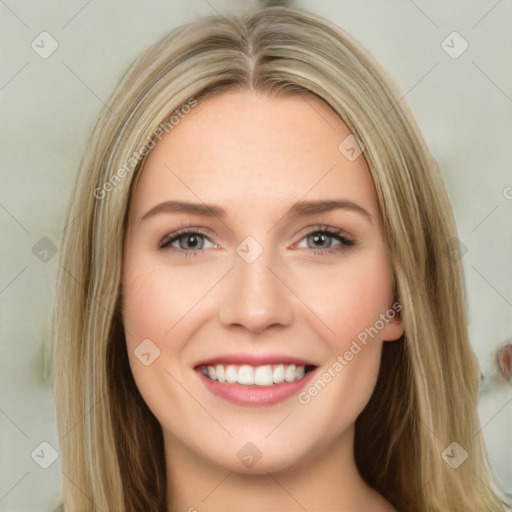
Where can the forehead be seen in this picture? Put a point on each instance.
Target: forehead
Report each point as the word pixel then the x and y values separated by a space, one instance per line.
pixel 244 150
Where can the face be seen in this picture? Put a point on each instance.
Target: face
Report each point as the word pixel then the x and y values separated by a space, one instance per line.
pixel 257 289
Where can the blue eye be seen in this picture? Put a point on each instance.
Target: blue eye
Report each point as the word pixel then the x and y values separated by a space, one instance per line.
pixel 322 240
pixel 192 241
pixel 188 240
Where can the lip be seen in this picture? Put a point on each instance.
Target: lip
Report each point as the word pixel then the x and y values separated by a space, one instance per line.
pixel 254 360
pixel 254 395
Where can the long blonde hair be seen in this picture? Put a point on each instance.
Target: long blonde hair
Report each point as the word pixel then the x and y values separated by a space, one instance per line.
pixel 427 390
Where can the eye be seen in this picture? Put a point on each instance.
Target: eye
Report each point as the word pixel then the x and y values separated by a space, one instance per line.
pixel 186 240
pixel 323 239
pixel 192 241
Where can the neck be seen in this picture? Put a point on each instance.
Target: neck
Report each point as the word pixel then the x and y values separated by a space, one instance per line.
pixel 328 480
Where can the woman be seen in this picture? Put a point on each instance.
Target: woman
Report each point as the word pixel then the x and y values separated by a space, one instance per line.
pixel 256 307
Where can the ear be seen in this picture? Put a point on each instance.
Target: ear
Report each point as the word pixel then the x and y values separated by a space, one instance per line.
pixel 393 328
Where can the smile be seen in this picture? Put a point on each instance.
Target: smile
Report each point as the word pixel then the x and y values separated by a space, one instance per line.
pixel 252 380
pixel 247 375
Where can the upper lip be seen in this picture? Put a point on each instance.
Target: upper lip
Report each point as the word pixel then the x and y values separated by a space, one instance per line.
pixel 254 360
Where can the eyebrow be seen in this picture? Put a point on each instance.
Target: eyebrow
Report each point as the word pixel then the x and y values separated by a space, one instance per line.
pixel 299 209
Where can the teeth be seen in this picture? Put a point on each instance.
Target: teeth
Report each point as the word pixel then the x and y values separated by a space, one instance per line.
pixel 246 375
pixel 231 374
pixel 219 370
pixel 289 373
pixel 278 375
pixel 263 375
pixel 266 375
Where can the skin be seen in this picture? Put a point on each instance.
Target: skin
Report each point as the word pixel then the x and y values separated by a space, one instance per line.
pixel 255 156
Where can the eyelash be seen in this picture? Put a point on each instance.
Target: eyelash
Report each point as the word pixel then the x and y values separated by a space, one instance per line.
pixel 337 234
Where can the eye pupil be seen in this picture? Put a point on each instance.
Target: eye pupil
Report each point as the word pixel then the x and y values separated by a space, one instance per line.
pixel 321 239
pixel 191 241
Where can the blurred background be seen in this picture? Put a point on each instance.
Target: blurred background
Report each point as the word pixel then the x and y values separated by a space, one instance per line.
pixel 62 60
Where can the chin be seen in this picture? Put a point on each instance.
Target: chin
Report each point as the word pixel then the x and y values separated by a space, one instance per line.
pixel 260 456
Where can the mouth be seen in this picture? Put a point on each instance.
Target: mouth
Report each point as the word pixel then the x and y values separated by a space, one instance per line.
pixel 247 375
pixel 256 382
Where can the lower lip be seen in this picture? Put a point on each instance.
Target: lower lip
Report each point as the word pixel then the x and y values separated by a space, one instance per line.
pixel 255 395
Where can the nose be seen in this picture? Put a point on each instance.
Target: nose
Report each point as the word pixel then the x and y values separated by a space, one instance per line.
pixel 257 296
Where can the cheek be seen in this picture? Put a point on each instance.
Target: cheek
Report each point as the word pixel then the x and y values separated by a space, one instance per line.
pixel 156 304
pixel 145 317
pixel 162 305
pixel 156 301
pixel 150 310
pixel 147 305
pixel 349 298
